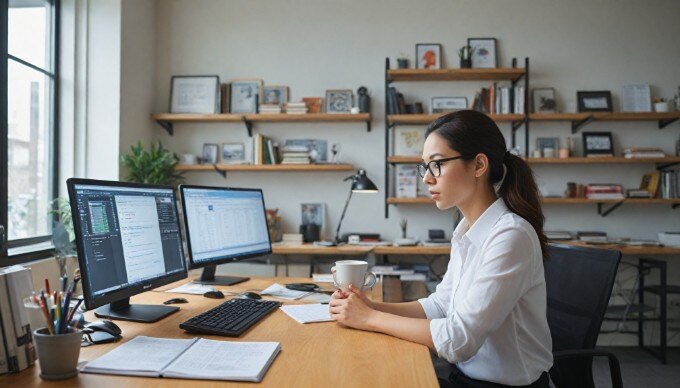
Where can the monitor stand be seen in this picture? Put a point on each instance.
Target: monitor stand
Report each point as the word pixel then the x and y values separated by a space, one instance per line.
pixel 208 277
pixel 125 311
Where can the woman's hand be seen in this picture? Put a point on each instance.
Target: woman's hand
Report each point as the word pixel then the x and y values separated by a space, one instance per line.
pixel 351 309
pixel 340 294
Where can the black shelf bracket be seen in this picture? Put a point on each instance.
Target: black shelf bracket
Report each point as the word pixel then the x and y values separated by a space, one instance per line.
pixel 675 205
pixel 517 123
pixel 611 208
pixel 391 125
pixel 368 125
pixel 664 123
pixel 660 167
pixel 222 173
pixel 578 124
pixel 167 125
pixel 249 126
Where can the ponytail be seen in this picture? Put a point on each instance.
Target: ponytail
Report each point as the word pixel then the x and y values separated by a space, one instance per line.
pixel 471 133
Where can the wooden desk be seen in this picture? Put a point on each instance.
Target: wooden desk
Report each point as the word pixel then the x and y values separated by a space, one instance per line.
pixel 312 355
pixel 628 249
pixel 310 249
pixel 413 250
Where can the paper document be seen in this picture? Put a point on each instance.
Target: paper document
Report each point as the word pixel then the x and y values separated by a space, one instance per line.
pixel 322 278
pixel 317 297
pixel 192 288
pixel 278 291
pixel 308 313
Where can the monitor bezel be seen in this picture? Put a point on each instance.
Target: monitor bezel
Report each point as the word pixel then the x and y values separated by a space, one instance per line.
pixel 137 288
pixel 225 260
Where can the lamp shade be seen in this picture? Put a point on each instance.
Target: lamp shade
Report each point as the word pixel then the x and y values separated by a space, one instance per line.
pixel 361 183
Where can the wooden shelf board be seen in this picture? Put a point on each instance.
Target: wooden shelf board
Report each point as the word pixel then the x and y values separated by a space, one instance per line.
pixel 197 118
pixel 562 201
pixel 416 250
pixel 606 116
pixel 627 249
pixel 267 167
pixel 404 159
pixel 428 118
pixel 418 200
pixel 310 117
pixel 497 74
pixel 558 116
pixel 310 249
pixel 603 160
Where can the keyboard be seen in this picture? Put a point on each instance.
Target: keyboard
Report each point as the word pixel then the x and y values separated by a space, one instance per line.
pixel 230 318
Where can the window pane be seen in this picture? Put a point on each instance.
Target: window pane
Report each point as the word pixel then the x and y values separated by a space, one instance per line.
pixel 29 31
pixel 29 152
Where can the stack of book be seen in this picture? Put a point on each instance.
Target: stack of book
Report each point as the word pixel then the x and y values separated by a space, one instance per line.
pixel 670 184
pixel 295 155
pixel 296 108
pixel 604 191
pixel 638 193
pixel 16 342
pixel 558 235
pixel 592 237
pixel 266 109
pixel 499 100
pixel 292 239
pixel 265 151
pixel 643 152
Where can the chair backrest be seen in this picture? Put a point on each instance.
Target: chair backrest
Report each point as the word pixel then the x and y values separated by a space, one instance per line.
pixel 579 283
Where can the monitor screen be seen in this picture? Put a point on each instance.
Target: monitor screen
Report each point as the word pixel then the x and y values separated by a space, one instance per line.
pixel 128 238
pixel 224 224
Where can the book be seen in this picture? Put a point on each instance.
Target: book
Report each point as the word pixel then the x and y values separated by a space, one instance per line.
pixel 196 358
pixel 407 181
pixel 224 98
pixel 308 313
pixel 16 283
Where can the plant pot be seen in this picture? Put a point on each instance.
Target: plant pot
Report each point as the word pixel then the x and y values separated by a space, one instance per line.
pixel 661 107
pixel 466 63
pixel 402 63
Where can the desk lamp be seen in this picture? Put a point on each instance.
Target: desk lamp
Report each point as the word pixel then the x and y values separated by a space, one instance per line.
pixel 360 184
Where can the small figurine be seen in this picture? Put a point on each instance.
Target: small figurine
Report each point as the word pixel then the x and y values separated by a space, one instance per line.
pixel 364 101
pixel 335 153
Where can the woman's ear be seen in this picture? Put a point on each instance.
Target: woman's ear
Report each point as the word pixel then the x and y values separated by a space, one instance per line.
pixel 481 165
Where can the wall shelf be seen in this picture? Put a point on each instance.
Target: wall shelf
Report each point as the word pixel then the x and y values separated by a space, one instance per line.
pixel 497 74
pixel 416 119
pixel 579 120
pixel 404 159
pixel 660 162
pixel 222 169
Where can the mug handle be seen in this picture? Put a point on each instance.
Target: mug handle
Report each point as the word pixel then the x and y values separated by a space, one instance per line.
pixel 370 276
pixel 335 281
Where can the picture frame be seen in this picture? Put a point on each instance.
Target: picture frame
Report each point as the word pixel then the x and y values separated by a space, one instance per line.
pixel 245 95
pixel 313 213
pixel 637 98
pixel 317 148
pixel 594 101
pixel 543 100
pixel 233 153
pixel 483 53
pixel 209 154
pixel 598 144
pixel 339 100
pixel 548 142
pixel 448 104
pixel 274 95
pixel 408 141
pixel 428 56
pixel 195 94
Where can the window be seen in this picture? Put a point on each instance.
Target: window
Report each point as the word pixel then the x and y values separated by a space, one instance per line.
pixel 28 119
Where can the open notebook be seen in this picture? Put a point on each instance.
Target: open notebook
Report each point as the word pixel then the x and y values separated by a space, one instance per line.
pixel 195 358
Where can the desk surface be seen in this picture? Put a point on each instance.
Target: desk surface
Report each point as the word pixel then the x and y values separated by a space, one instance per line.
pixel 314 354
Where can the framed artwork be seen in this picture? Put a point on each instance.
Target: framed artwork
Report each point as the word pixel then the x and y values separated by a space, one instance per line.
pixel 245 95
pixel 317 148
pixel 448 104
pixel 312 213
pixel 594 101
pixel 314 104
pixel 209 155
pixel 544 100
pixel 274 95
pixel 637 98
pixel 233 153
pixel 339 100
pixel 408 141
pixel 195 94
pixel 428 56
pixel 598 144
pixel 483 52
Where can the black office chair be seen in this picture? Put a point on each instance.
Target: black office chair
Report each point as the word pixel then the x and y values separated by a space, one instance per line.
pixel 579 283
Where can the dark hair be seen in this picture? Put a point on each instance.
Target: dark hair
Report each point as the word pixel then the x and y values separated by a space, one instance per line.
pixel 471 133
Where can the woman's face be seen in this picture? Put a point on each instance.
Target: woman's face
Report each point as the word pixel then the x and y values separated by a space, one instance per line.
pixel 456 183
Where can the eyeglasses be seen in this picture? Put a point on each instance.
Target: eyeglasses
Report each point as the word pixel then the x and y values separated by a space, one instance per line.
pixel 433 166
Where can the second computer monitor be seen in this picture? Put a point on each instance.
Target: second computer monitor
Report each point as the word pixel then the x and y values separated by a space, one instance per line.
pixel 223 225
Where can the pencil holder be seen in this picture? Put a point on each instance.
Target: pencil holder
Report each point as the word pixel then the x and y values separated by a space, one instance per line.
pixel 58 354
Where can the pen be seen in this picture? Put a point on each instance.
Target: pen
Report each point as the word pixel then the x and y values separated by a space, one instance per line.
pixel 73 312
pixel 47 286
pixel 43 303
pixel 57 313
pixel 64 282
pixel 65 312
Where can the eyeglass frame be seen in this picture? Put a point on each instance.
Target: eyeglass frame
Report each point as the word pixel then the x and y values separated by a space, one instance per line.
pixel 438 163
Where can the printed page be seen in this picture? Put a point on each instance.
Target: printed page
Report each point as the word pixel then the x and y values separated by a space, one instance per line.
pixel 141 356
pixel 307 313
pixel 278 291
pixel 224 360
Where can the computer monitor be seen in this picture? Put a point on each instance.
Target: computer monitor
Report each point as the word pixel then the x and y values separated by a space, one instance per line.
pixel 223 225
pixel 129 241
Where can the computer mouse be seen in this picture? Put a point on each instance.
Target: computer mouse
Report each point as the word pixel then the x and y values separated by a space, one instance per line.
pixel 250 295
pixel 214 294
pixel 106 326
pixel 176 300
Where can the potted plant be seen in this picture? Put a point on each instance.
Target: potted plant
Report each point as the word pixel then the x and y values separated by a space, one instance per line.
pixel 465 54
pixel 155 166
pixel 402 61
pixel 660 105
pixel 63 236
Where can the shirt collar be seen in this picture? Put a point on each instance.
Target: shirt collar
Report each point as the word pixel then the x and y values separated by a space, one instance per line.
pixel 480 230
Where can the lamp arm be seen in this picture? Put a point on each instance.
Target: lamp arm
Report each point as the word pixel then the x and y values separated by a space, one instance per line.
pixel 337 231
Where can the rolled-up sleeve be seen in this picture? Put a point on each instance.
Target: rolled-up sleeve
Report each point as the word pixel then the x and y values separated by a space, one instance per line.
pixel 499 283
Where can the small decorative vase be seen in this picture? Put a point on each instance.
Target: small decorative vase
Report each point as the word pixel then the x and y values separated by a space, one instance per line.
pixel 466 63
pixel 402 63
pixel 661 107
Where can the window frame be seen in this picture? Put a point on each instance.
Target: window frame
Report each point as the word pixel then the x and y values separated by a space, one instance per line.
pixel 27 254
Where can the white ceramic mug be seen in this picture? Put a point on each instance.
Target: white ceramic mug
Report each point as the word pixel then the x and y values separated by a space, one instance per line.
pixel 353 272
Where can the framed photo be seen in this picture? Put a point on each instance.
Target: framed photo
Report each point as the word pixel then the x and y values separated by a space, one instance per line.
pixel 483 52
pixel 594 101
pixel 195 94
pixel 245 95
pixel 312 213
pixel 544 100
pixel 598 144
pixel 543 143
pixel 314 104
pixel 274 95
pixel 317 148
pixel 448 104
pixel 428 56
pixel 408 141
pixel 233 153
pixel 209 155
pixel 339 100
pixel 637 98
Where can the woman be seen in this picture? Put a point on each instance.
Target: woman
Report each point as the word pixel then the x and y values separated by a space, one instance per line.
pixel 488 315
